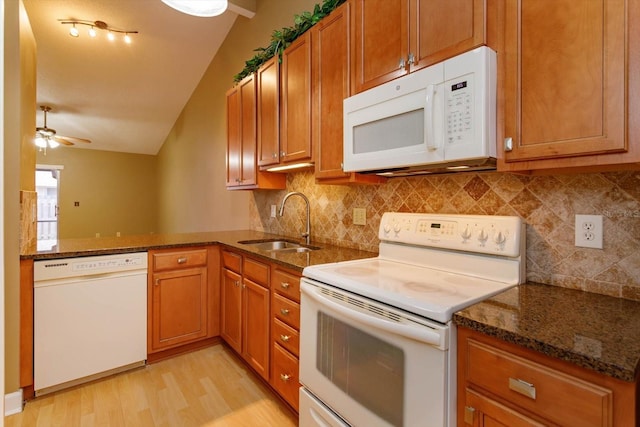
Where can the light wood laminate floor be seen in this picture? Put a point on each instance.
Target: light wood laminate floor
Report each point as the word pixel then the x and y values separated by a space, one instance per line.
pixel 209 387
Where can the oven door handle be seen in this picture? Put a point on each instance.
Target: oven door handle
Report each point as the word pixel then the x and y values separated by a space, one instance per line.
pixel 422 334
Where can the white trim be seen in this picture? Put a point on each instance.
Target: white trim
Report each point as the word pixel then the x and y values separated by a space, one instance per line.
pixel 13 403
pixel 49 167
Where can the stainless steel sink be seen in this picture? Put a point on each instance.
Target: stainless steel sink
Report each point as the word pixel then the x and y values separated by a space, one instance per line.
pixel 278 245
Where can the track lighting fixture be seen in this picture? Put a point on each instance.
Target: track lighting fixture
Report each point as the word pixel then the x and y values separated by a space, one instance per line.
pixel 101 25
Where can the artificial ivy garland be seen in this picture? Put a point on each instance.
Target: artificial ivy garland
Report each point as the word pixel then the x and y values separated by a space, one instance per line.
pixel 280 39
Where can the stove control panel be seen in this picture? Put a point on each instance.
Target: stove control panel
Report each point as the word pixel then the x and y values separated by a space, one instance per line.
pixel 489 234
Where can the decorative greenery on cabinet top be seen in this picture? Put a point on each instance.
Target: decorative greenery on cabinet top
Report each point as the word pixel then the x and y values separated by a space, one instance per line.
pixel 280 39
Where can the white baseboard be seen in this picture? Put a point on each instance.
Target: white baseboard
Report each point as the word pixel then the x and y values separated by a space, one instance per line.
pixel 13 403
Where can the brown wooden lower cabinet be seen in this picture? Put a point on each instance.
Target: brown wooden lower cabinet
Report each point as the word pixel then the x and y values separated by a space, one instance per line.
pixel 503 384
pixel 183 302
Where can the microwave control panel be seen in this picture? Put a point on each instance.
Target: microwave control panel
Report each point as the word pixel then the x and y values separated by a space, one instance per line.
pixel 459 110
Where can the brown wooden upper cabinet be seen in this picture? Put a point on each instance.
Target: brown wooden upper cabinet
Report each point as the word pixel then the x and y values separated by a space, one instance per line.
pixel 295 101
pixel 242 171
pixel 331 81
pixel 567 78
pixel 390 38
pixel 268 87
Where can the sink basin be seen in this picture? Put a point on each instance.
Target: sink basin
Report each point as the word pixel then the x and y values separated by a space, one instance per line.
pixel 278 245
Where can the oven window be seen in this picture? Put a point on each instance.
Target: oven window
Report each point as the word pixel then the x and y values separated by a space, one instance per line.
pixel 368 369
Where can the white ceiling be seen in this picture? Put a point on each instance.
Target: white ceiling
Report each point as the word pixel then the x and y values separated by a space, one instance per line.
pixel 122 97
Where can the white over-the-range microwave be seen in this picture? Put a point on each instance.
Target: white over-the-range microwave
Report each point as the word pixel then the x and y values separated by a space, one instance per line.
pixel 438 119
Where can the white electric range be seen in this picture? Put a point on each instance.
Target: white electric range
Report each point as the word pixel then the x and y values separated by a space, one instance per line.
pixel 377 341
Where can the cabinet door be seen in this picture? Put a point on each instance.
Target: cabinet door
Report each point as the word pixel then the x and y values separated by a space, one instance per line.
pixel 255 329
pixel 484 412
pixel 231 309
pixel 234 137
pixel 564 79
pixel 330 39
pixel 268 86
pixel 443 29
pixel 380 42
pixel 295 135
pixel 179 307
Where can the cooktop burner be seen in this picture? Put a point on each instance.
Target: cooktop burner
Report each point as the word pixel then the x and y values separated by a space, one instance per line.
pixel 434 265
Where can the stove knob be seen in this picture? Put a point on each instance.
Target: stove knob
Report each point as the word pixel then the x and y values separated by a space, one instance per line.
pixel 483 237
pixel 397 228
pixel 466 234
pixel 386 228
pixel 500 239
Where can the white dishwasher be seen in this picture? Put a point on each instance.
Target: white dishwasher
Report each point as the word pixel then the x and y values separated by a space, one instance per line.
pixel 90 318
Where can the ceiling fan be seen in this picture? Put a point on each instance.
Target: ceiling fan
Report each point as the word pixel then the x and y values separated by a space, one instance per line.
pixel 47 137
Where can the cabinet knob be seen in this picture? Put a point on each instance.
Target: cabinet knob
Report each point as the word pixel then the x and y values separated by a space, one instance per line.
pixel 468 414
pixel 282 154
pixel 401 64
pixel 284 285
pixel 412 59
pixel 285 338
pixel 285 377
pixel 284 311
pixel 508 144
pixel 182 260
pixel 236 283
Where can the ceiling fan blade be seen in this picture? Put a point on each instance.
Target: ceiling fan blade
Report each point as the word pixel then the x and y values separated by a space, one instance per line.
pixel 62 140
pixel 76 139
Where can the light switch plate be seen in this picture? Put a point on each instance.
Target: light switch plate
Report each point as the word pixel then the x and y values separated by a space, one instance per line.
pixel 273 211
pixel 359 216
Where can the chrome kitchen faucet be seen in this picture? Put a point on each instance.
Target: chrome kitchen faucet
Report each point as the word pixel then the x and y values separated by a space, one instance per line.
pixel 307 233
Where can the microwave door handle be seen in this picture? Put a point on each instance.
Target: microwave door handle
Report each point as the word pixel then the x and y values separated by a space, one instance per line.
pixel 419 334
pixel 429 112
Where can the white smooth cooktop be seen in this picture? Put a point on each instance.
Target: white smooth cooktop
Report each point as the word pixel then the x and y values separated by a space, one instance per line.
pixel 433 265
pixel 427 292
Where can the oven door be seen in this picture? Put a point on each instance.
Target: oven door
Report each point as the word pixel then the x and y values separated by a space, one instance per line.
pixel 370 363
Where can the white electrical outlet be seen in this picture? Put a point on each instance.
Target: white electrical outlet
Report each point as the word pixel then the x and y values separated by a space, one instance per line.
pixel 359 216
pixel 589 231
pixel 273 211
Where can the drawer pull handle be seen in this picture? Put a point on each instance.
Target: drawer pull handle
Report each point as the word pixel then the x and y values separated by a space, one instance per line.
pixel 522 387
pixel 284 285
pixel 284 311
pixel 285 377
pixel 182 260
pixel 285 338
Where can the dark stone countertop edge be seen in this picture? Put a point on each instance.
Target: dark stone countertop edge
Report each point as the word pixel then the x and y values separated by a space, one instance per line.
pixel 549 350
pixel 295 261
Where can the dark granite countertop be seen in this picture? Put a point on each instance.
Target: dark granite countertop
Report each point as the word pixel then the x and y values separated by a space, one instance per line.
pixel 67 248
pixel 593 331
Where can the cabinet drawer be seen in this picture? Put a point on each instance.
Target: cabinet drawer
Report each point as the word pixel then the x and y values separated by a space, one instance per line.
pixel 286 283
pixel 181 259
pixel 284 375
pixel 256 271
pixel 551 394
pixel 232 261
pixel 286 336
pixel 286 310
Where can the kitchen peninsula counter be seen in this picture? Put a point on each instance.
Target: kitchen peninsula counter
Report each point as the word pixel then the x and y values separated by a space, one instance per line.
pixel 67 248
pixel 596 332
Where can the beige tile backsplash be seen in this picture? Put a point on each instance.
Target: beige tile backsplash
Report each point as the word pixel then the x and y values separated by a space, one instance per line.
pixel 548 204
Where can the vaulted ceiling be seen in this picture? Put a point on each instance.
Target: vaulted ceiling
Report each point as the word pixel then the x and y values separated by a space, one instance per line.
pixel 123 97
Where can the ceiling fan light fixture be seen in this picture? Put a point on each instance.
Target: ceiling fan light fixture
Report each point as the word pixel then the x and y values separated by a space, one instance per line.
pixel 40 142
pixel 52 143
pixel 202 8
